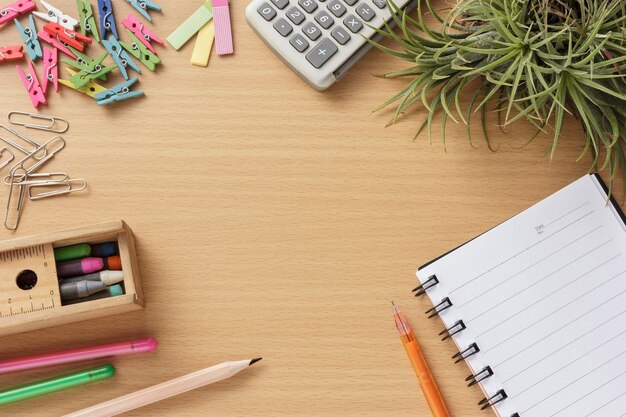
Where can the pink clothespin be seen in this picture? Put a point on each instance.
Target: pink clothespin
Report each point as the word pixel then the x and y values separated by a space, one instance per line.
pixel 31 82
pixel 11 11
pixel 141 32
pixel 54 41
pixel 50 68
pixel 66 36
pixel 11 53
pixel 223 32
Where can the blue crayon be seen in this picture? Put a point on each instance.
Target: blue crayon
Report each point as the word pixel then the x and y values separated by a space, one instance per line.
pixel 104 250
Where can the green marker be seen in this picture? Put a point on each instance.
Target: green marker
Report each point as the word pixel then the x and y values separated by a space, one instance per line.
pixel 58 383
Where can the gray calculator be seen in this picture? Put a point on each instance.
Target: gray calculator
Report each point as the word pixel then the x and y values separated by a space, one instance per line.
pixel 320 39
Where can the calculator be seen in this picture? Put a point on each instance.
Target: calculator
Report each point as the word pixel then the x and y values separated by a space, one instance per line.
pixel 320 39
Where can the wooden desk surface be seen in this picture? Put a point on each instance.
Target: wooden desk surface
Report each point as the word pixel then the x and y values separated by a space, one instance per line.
pixel 273 220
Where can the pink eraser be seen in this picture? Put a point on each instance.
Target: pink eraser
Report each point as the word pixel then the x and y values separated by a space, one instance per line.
pixel 223 32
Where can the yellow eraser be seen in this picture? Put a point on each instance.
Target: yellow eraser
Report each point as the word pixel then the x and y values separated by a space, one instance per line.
pixel 203 46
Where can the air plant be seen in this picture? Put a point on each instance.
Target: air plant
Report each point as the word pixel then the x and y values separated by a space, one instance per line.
pixel 534 59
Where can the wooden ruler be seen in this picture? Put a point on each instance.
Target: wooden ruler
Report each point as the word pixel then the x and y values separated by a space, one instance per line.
pixel 28 281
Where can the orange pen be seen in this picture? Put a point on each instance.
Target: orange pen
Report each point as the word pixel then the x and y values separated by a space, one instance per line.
pixel 425 377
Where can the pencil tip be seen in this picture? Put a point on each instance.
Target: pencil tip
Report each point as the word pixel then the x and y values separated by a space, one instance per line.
pixel 253 361
pixel 395 309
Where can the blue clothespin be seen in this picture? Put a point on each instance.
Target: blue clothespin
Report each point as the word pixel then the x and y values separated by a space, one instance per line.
pixel 107 19
pixel 144 6
pixel 118 92
pixel 29 35
pixel 122 59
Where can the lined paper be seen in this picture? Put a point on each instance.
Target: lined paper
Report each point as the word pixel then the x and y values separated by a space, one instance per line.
pixel 543 295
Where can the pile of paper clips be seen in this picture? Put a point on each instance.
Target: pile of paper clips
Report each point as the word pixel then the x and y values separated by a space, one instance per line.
pixel 24 179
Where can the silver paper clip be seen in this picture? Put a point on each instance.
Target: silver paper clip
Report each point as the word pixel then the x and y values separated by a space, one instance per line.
pixel 37 178
pixel 49 127
pixel 30 163
pixel 26 139
pixel 67 186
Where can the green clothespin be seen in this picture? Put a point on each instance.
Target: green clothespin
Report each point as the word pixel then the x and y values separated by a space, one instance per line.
pixel 91 88
pixel 91 71
pixel 141 52
pixel 86 19
pixel 83 62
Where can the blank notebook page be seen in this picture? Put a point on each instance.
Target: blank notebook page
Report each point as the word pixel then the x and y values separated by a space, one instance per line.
pixel 543 296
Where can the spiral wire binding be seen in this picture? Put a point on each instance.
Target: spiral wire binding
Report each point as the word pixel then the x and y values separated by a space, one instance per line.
pixel 471 350
pixel 474 379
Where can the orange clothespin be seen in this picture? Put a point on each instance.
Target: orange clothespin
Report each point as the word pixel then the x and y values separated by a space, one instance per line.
pixel 31 82
pixel 11 53
pixel 50 69
pixel 67 36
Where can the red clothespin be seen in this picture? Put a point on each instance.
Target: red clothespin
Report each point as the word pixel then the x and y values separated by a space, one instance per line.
pixel 11 53
pixel 74 39
pixel 141 32
pixel 11 11
pixel 52 40
pixel 50 68
pixel 31 82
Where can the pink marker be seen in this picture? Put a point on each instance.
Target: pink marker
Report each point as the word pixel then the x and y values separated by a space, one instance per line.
pixel 223 33
pixel 78 355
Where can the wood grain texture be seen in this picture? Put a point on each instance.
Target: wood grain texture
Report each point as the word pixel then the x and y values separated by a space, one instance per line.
pixel 273 220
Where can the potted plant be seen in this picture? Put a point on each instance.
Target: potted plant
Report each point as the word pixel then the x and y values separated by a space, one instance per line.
pixel 538 60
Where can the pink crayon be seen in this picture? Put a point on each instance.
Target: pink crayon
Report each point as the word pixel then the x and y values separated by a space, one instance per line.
pixel 77 355
pixel 86 266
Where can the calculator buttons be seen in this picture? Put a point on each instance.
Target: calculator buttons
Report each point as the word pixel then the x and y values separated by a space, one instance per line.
pixel 340 35
pixel 311 31
pixel 295 15
pixel 322 52
pixel 298 42
pixel 337 8
pixel 324 19
pixel 350 2
pixel 283 27
pixel 353 23
pixel 266 11
pixel 365 11
pixel 281 4
pixel 308 5
pixel 381 4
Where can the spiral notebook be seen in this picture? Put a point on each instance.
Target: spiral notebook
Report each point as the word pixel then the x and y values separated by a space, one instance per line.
pixel 537 306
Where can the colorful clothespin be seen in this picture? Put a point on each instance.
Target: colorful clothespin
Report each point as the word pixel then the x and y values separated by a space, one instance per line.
pixel 67 36
pixel 11 53
pixel 55 15
pixel 50 69
pixel 122 59
pixel 141 32
pixel 84 63
pixel 139 51
pixel 93 70
pixel 31 82
pixel 29 35
pixel 54 41
pixel 11 11
pixel 223 32
pixel 143 6
pixel 86 19
pixel 91 88
pixel 119 92
pixel 107 19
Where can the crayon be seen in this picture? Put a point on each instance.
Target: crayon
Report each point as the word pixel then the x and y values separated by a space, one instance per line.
pixel 107 277
pixel 67 253
pixel 82 289
pixel 86 266
pixel 103 250
pixel 113 291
